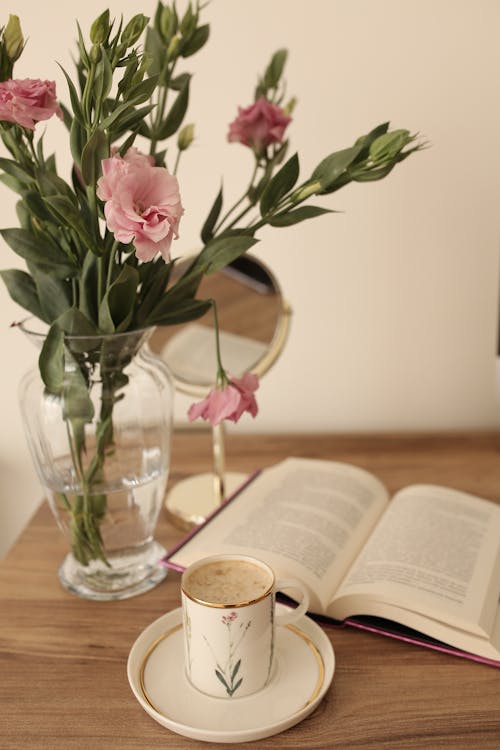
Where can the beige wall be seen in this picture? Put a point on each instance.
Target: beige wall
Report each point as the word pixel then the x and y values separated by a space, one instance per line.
pixel 394 298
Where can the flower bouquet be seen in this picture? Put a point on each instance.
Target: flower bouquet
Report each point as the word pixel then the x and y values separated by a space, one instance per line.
pixel 97 243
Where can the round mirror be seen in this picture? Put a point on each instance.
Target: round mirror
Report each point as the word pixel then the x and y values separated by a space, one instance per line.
pixel 253 323
pixel 253 326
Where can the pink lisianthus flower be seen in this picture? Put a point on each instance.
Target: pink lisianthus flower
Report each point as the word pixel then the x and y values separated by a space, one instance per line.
pixel 142 203
pixel 259 125
pixel 228 402
pixel 27 101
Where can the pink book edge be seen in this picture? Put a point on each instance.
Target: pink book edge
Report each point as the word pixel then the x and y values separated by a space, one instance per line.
pixel 421 642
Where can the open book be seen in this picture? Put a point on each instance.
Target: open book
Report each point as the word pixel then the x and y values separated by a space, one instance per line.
pixel 428 559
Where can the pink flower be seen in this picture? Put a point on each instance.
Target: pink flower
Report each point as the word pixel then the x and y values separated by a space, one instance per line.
pixel 27 101
pixel 142 203
pixel 229 402
pixel 259 125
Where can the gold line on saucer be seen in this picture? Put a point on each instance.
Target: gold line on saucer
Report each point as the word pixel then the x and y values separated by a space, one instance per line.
pixel 319 662
pixel 144 662
pixel 316 652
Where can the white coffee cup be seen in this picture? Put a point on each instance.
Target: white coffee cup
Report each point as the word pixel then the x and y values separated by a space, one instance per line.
pixel 228 607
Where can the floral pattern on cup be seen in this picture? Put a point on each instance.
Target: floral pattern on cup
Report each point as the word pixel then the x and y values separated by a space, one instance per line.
pixel 228 670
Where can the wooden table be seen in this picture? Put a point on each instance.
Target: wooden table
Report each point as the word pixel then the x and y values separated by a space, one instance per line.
pixel 63 682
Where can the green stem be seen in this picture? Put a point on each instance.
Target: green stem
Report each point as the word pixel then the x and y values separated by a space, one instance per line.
pixel 239 202
pixel 111 263
pixel 33 153
pixel 222 378
pixel 162 103
pixel 100 280
pixel 177 160
pixel 240 216
pixel 87 98
pixel 92 199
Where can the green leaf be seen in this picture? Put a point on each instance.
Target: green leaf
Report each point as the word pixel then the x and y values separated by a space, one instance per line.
pixel 333 166
pixel 50 184
pixel 176 114
pixel 22 290
pixel 208 226
pixel 100 28
pixel 95 150
pixel 36 206
pixel 35 250
pixel 221 251
pixel 67 116
pixel 131 119
pixel 155 50
pixel 282 182
pixel 70 215
pixel 77 404
pixel 179 81
pixel 367 140
pixel 88 287
pixel 235 687
pixel 372 175
pixel 153 287
pixel 51 360
pixel 275 69
pixel 221 678
pixel 117 307
pixel 134 29
pixel 74 323
pixel 12 183
pixel 115 113
pixel 198 39
pixel 142 92
pixel 15 170
pixel 74 97
pixel 103 80
pixel 54 295
pixel 81 48
pixel 129 73
pixel 287 218
pixel 235 670
pixel 24 215
pixel 166 313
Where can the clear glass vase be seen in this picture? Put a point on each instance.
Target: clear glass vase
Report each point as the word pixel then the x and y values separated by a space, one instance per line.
pixel 101 448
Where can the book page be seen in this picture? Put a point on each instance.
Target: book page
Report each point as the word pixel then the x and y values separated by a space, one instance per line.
pixel 436 552
pixel 306 518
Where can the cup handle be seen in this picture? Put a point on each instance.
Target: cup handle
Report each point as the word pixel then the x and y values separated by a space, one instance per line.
pixel 295 614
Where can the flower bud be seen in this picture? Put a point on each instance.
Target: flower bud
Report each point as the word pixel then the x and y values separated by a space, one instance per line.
pixel 168 23
pixel 387 146
pixel 134 29
pixel 95 53
pixel 173 47
pixel 100 28
pixel 305 191
pixel 288 109
pixel 189 22
pixel 185 137
pixel 13 38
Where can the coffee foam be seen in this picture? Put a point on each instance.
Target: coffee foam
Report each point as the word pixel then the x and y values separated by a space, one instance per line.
pixel 227 582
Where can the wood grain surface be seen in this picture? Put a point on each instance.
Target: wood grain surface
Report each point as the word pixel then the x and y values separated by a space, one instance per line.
pixel 63 682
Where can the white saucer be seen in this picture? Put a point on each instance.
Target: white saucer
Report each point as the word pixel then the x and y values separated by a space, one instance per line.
pixel 303 671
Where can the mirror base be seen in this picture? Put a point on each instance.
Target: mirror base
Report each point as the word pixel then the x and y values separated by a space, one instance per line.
pixel 192 500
